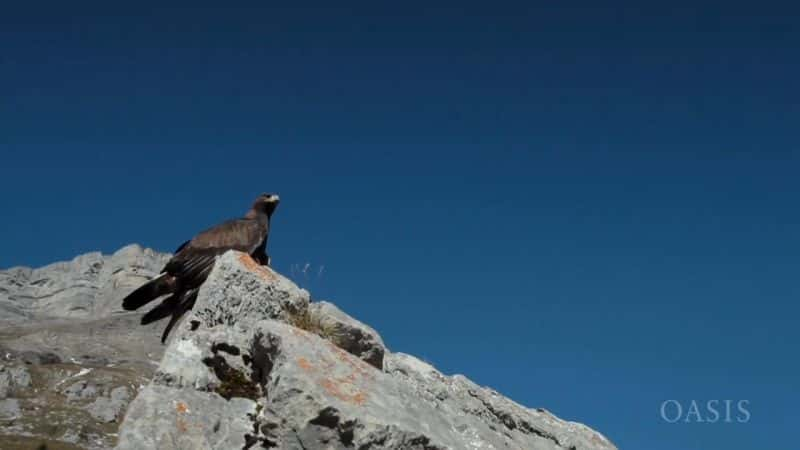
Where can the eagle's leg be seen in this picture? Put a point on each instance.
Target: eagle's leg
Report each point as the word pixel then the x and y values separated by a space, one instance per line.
pixel 261 257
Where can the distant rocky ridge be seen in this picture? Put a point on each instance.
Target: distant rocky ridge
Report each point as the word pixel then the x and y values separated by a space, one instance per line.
pixel 90 286
pixel 256 364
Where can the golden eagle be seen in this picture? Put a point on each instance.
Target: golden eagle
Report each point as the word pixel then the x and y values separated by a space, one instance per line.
pixel 194 259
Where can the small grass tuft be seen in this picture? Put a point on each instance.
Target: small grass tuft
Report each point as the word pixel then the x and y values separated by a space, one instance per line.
pixel 305 321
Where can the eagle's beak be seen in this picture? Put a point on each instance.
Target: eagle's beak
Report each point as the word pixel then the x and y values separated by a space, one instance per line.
pixel 275 199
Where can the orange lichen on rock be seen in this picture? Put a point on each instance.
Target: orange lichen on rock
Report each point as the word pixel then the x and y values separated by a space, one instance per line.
pixel 299 332
pixel 344 388
pixel 304 364
pixel 180 424
pixel 356 364
pixel 338 388
pixel 255 267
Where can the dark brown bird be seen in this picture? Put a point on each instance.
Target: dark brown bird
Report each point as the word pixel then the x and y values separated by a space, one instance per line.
pixel 194 259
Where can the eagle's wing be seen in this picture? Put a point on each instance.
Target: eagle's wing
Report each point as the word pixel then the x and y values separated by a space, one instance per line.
pixel 195 259
pixel 238 234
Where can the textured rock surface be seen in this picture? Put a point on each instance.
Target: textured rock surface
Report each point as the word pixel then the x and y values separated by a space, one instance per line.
pixel 347 333
pixel 109 407
pixel 80 390
pixel 9 409
pixel 12 379
pixel 255 365
pixel 240 289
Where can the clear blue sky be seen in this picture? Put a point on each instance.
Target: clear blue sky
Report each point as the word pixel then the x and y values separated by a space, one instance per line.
pixel 592 209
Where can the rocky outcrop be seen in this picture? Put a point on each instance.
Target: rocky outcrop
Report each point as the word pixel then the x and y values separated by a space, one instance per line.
pixel 255 364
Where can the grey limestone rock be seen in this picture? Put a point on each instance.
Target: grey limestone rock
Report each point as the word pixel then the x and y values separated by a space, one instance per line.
pixel 108 408
pixel 80 390
pixel 347 333
pixel 66 345
pixel 255 365
pixel 13 378
pixel 9 409
pixel 242 290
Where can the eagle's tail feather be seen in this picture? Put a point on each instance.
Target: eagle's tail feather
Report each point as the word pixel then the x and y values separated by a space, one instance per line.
pixel 165 308
pixel 163 284
pixel 187 302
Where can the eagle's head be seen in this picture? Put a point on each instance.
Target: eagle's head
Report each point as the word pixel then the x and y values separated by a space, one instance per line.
pixel 266 203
